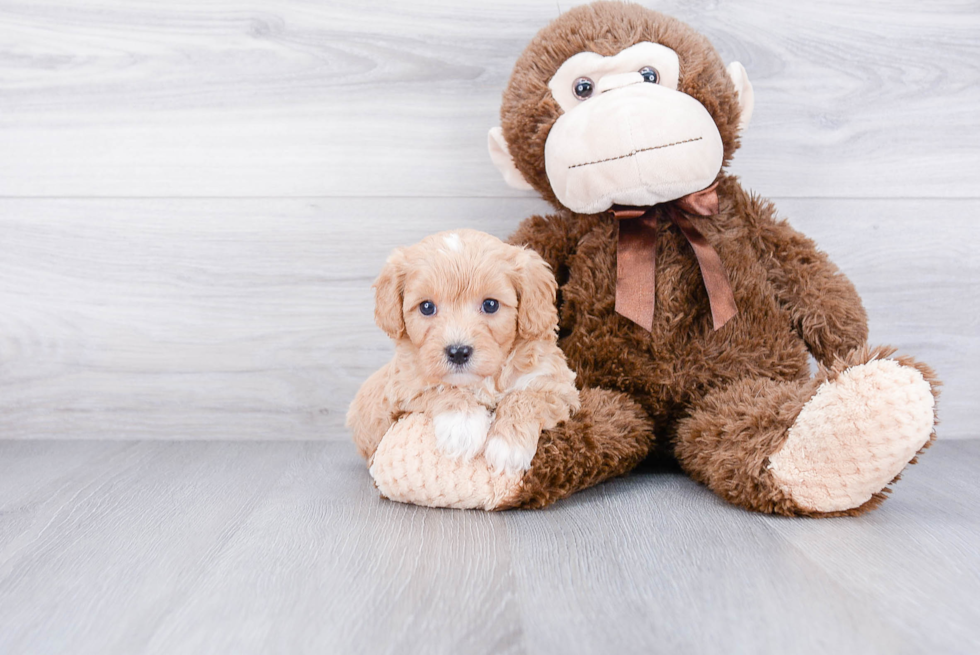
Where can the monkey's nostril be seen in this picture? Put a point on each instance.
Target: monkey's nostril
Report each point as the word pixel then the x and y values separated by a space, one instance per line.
pixel 458 354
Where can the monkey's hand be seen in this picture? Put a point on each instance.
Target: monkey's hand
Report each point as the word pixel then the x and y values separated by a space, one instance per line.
pixel 824 306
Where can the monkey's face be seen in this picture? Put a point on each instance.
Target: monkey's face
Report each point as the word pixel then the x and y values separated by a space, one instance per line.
pixel 621 129
pixel 627 136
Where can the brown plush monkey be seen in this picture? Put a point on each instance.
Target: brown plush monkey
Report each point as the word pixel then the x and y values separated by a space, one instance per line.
pixel 687 309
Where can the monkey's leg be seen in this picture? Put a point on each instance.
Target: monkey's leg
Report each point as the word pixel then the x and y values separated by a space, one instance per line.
pixel 607 437
pixel 822 447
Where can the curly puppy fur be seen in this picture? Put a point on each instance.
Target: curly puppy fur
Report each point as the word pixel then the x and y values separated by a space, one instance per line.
pixel 720 401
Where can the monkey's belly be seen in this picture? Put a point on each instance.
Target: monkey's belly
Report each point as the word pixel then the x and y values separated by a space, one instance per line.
pixel 677 363
pixel 682 357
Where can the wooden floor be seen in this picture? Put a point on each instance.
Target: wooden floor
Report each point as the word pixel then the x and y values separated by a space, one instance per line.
pixel 285 547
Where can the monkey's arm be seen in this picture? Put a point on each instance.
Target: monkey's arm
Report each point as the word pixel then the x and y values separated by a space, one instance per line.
pixel 370 415
pixel 825 308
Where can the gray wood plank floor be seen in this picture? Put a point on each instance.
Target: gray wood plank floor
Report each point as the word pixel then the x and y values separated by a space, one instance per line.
pixel 285 547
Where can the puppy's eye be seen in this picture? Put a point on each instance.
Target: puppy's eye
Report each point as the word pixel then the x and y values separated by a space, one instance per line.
pixel 582 88
pixel 650 74
pixel 427 308
pixel 490 306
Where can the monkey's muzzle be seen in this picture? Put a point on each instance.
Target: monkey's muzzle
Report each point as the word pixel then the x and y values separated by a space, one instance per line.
pixel 637 145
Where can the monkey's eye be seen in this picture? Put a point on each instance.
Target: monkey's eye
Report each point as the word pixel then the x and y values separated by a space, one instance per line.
pixel 650 74
pixel 583 88
pixel 490 306
pixel 427 308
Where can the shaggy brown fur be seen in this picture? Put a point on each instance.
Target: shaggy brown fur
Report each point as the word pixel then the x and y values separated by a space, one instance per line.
pixel 607 437
pixel 529 110
pixel 722 401
pixel 725 441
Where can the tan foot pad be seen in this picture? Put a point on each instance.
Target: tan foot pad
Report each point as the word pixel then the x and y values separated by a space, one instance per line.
pixel 408 468
pixel 855 435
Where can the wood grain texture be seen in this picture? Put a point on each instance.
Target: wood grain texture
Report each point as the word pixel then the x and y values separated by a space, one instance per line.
pixel 253 319
pixel 288 98
pixel 218 547
pixel 889 552
pixel 221 318
pixel 228 319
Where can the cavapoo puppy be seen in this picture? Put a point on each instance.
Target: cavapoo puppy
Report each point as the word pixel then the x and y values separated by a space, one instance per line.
pixel 475 330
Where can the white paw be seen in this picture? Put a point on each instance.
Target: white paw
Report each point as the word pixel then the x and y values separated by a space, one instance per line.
pixel 504 457
pixel 462 435
pixel 855 435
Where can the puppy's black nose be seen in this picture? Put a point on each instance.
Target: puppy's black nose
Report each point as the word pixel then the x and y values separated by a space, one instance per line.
pixel 458 355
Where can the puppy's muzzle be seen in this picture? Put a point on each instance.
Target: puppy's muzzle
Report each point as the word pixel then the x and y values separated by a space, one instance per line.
pixel 458 354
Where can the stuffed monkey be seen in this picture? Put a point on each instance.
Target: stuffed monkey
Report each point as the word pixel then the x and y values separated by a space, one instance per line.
pixel 687 309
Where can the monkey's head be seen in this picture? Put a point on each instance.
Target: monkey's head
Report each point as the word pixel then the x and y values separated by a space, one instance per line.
pixel 615 104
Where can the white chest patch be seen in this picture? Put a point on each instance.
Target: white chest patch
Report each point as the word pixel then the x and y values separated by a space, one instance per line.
pixel 462 435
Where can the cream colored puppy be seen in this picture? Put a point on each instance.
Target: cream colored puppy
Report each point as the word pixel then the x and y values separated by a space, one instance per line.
pixel 475 330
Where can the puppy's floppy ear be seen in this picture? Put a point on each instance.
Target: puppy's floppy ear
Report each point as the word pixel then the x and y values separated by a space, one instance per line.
pixel 388 294
pixel 537 315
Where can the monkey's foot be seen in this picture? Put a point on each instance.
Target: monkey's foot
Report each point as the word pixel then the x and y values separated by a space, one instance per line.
pixel 409 467
pixel 606 437
pixel 855 435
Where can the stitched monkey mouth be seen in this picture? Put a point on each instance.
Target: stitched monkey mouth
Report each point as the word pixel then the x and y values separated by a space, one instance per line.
pixel 633 153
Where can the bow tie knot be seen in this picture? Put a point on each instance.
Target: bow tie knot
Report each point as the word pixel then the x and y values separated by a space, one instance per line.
pixel 636 254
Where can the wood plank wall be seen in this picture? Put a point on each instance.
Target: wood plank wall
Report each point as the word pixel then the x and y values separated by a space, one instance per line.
pixel 195 197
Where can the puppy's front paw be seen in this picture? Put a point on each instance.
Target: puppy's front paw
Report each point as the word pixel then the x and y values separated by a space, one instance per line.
pixel 504 457
pixel 462 435
pixel 511 451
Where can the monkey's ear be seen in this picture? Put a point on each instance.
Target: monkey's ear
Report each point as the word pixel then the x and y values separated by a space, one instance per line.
pixel 388 293
pixel 746 96
pixel 501 158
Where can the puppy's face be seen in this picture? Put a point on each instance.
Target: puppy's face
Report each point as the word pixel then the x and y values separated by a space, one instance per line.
pixel 461 313
pixel 461 300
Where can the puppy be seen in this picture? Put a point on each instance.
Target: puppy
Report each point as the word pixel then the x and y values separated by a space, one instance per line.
pixel 475 330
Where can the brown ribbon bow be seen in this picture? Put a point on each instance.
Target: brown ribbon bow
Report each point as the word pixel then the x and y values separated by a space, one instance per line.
pixel 637 252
